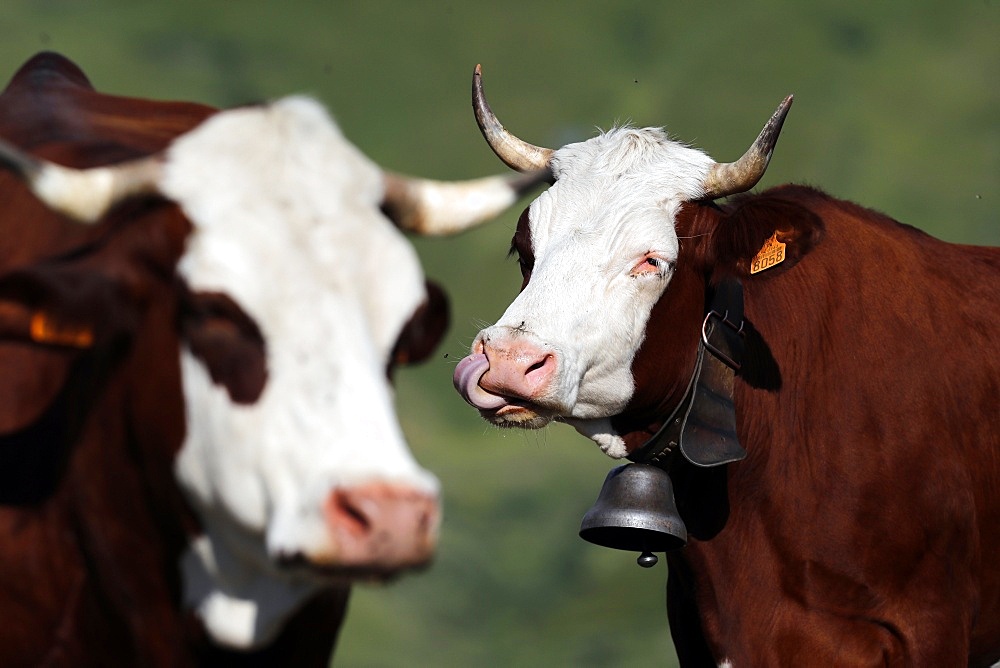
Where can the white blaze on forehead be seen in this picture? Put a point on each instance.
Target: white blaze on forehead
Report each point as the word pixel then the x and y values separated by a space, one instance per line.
pixel 614 202
pixel 286 223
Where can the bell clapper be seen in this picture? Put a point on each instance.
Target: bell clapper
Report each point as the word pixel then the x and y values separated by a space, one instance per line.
pixel 647 560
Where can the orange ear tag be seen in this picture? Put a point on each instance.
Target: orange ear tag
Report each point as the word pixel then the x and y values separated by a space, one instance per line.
pixel 771 253
pixel 43 331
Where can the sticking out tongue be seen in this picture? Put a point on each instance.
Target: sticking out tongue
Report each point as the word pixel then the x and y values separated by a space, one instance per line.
pixel 466 379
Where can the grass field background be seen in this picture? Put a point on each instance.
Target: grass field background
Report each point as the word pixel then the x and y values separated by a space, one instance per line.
pixel 897 107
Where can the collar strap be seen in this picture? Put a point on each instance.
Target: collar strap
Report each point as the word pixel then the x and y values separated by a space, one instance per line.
pixel 722 329
pixel 703 425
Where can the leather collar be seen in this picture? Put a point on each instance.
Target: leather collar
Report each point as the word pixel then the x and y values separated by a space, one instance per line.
pixel 703 425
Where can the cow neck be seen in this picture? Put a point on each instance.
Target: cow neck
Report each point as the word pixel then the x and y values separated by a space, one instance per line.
pixel 703 425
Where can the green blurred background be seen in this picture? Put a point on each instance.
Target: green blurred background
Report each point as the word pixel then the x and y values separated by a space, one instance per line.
pixel 897 107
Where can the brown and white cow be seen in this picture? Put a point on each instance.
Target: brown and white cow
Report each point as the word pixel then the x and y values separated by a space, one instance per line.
pixel 198 446
pixel 863 526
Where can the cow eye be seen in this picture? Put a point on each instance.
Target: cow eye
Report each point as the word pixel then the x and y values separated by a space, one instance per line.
pixel 653 265
pixel 525 261
pixel 227 341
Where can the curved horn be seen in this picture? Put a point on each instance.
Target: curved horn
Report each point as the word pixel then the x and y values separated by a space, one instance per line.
pixel 431 207
pixel 517 154
pixel 729 178
pixel 82 194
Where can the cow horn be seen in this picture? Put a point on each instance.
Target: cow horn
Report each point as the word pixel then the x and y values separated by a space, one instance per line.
pixel 82 194
pixel 517 154
pixel 729 178
pixel 428 207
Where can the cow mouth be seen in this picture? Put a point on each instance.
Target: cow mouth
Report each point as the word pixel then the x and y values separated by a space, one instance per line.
pixel 631 430
pixel 347 574
pixel 498 409
pixel 518 415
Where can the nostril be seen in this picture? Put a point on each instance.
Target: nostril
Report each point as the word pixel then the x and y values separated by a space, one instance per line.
pixel 538 365
pixel 345 513
pixel 380 526
pixel 513 368
pixel 427 525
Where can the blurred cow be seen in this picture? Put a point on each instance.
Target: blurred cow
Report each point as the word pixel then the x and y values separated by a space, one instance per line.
pixel 198 446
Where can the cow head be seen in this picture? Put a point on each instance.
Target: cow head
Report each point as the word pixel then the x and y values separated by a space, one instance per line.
pixel 629 220
pixel 295 297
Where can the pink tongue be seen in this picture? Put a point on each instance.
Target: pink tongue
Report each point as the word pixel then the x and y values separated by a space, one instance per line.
pixel 466 379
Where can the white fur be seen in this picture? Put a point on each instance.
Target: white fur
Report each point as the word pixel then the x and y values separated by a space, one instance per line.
pixel 226 589
pixel 614 200
pixel 287 224
pixel 601 432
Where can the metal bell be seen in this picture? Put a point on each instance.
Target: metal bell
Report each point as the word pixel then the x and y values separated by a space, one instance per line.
pixel 635 511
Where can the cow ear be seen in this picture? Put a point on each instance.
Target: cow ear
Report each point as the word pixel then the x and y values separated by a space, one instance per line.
pixel 425 329
pixel 63 306
pixel 227 341
pixel 763 235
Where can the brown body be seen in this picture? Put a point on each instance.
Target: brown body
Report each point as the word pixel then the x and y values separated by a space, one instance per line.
pixel 861 529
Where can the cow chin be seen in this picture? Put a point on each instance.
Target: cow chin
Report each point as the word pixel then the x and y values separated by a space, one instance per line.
pixel 333 573
pixel 244 595
pixel 518 416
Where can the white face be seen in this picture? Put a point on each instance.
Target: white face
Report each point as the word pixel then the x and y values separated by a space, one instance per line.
pixel 287 224
pixel 604 248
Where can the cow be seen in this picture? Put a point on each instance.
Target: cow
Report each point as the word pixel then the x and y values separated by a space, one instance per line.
pixel 854 520
pixel 200 314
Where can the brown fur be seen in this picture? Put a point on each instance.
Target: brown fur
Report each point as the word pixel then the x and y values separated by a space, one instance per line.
pixel 861 527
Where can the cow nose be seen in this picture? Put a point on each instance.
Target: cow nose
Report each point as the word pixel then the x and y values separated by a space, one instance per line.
pixel 382 526
pixel 518 368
